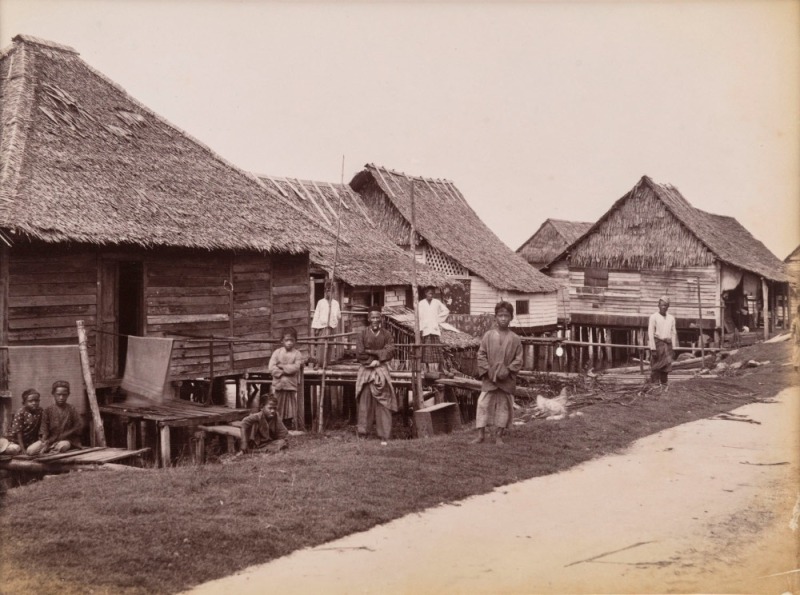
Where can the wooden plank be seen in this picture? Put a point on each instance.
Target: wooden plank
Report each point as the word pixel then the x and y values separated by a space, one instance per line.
pixel 30 301
pixel 65 335
pixel 52 311
pixel 290 290
pixel 186 280
pixel 40 289
pixel 56 278
pixel 46 322
pixel 153 292
pixel 63 455
pixel 216 300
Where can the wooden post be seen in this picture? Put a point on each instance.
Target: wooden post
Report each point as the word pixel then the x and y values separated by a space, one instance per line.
pixel 765 298
pixel 416 378
pixel 166 452
pixel 300 417
pixel 130 426
pixel 100 434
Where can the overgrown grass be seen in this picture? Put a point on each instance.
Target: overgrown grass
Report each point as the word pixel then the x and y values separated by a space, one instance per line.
pixel 160 531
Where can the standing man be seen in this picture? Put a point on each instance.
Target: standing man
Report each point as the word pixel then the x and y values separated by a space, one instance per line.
pixel 322 325
pixel 432 313
pixel 662 338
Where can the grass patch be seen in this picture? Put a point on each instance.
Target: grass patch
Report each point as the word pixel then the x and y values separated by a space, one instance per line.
pixel 161 531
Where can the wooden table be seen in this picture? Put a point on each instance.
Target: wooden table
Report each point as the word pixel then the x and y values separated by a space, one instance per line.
pixel 167 415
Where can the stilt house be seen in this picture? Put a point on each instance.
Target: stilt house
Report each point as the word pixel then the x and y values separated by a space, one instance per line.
pixel 370 268
pixel 454 241
pixel 550 240
pixel 652 242
pixel 111 215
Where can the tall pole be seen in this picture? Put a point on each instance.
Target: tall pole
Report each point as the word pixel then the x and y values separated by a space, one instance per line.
pixel 320 405
pixel 99 432
pixel 417 379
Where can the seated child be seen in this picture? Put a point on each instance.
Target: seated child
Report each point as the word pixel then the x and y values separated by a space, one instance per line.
pixel 264 431
pixel 61 424
pixel 24 430
pixel 284 365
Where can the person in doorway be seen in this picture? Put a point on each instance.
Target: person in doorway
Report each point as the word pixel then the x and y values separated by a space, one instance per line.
pixel 432 313
pixel 24 429
pixel 263 432
pixel 284 365
pixel 499 361
pixel 327 315
pixel 662 338
pixel 376 397
pixel 61 425
pixel 796 340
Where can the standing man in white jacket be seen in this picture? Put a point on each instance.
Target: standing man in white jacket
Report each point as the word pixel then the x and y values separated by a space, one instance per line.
pixel 432 313
pixel 321 324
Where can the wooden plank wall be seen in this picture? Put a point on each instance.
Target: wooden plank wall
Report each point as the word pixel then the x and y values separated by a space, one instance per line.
pixel 48 290
pixel 252 310
pixel 186 295
pixel 637 293
pixel 290 295
pixel 542 307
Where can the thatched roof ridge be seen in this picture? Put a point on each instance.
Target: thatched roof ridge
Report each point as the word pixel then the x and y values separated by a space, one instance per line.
pixel 792 254
pixel 368 257
pixel 550 239
pixel 83 161
pixel 723 236
pixel 447 222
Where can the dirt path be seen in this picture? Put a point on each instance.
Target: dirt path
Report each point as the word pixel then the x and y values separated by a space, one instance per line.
pixel 703 507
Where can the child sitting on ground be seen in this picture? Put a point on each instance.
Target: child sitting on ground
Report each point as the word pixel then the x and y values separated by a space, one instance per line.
pixel 284 365
pixel 499 360
pixel 264 432
pixel 61 425
pixel 24 430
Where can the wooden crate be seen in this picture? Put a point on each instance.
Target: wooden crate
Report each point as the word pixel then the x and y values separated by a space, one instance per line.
pixel 437 419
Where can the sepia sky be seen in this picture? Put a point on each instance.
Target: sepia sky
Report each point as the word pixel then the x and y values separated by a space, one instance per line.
pixel 534 109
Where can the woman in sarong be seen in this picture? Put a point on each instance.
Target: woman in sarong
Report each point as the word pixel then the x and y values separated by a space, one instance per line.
pixel 376 397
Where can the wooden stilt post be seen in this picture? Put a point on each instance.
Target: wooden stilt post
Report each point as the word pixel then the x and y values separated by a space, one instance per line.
pixel 99 432
pixel 416 382
pixel 765 313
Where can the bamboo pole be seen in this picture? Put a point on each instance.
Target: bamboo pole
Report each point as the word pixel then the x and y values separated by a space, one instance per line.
pixel 417 379
pixel 99 432
pixel 321 403
pixel 700 326
pixel 765 313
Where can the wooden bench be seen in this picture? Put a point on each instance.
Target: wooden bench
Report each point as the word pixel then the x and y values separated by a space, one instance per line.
pixel 231 431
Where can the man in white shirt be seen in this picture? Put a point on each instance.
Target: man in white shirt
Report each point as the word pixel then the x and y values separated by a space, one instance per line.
pixel 432 313
pixel 322 325
pixel 662 338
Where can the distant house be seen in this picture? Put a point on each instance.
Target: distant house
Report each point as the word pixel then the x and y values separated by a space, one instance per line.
pixel 653 242
pixel 793 270
pixel 550 240
pixel 454 241
pixel 370 268
pixel 112 215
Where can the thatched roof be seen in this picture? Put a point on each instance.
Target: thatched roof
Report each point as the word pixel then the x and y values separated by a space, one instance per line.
pixel 451 337
pixel 550 240
pixel 793 256
pixel 82 161
pixel 447 222
pixel 637 233
pixel 368 257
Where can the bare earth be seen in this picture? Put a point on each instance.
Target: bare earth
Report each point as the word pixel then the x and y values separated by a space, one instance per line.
pixel 702 507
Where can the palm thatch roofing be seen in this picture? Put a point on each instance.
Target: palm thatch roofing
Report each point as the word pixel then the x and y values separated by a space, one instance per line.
pixel 637 232
pixel 82 161
pixel 447 222
pixel 550 240
pixel 451 337
pixel 368 257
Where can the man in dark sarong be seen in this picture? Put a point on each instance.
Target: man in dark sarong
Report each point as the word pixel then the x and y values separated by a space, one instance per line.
pixel 374 390
pixel 662 338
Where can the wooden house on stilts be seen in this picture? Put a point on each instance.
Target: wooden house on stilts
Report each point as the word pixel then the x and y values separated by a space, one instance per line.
pixel 793 270
pixel 652 242
pixel 111 215
pixel 453 240
pixel 370 269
